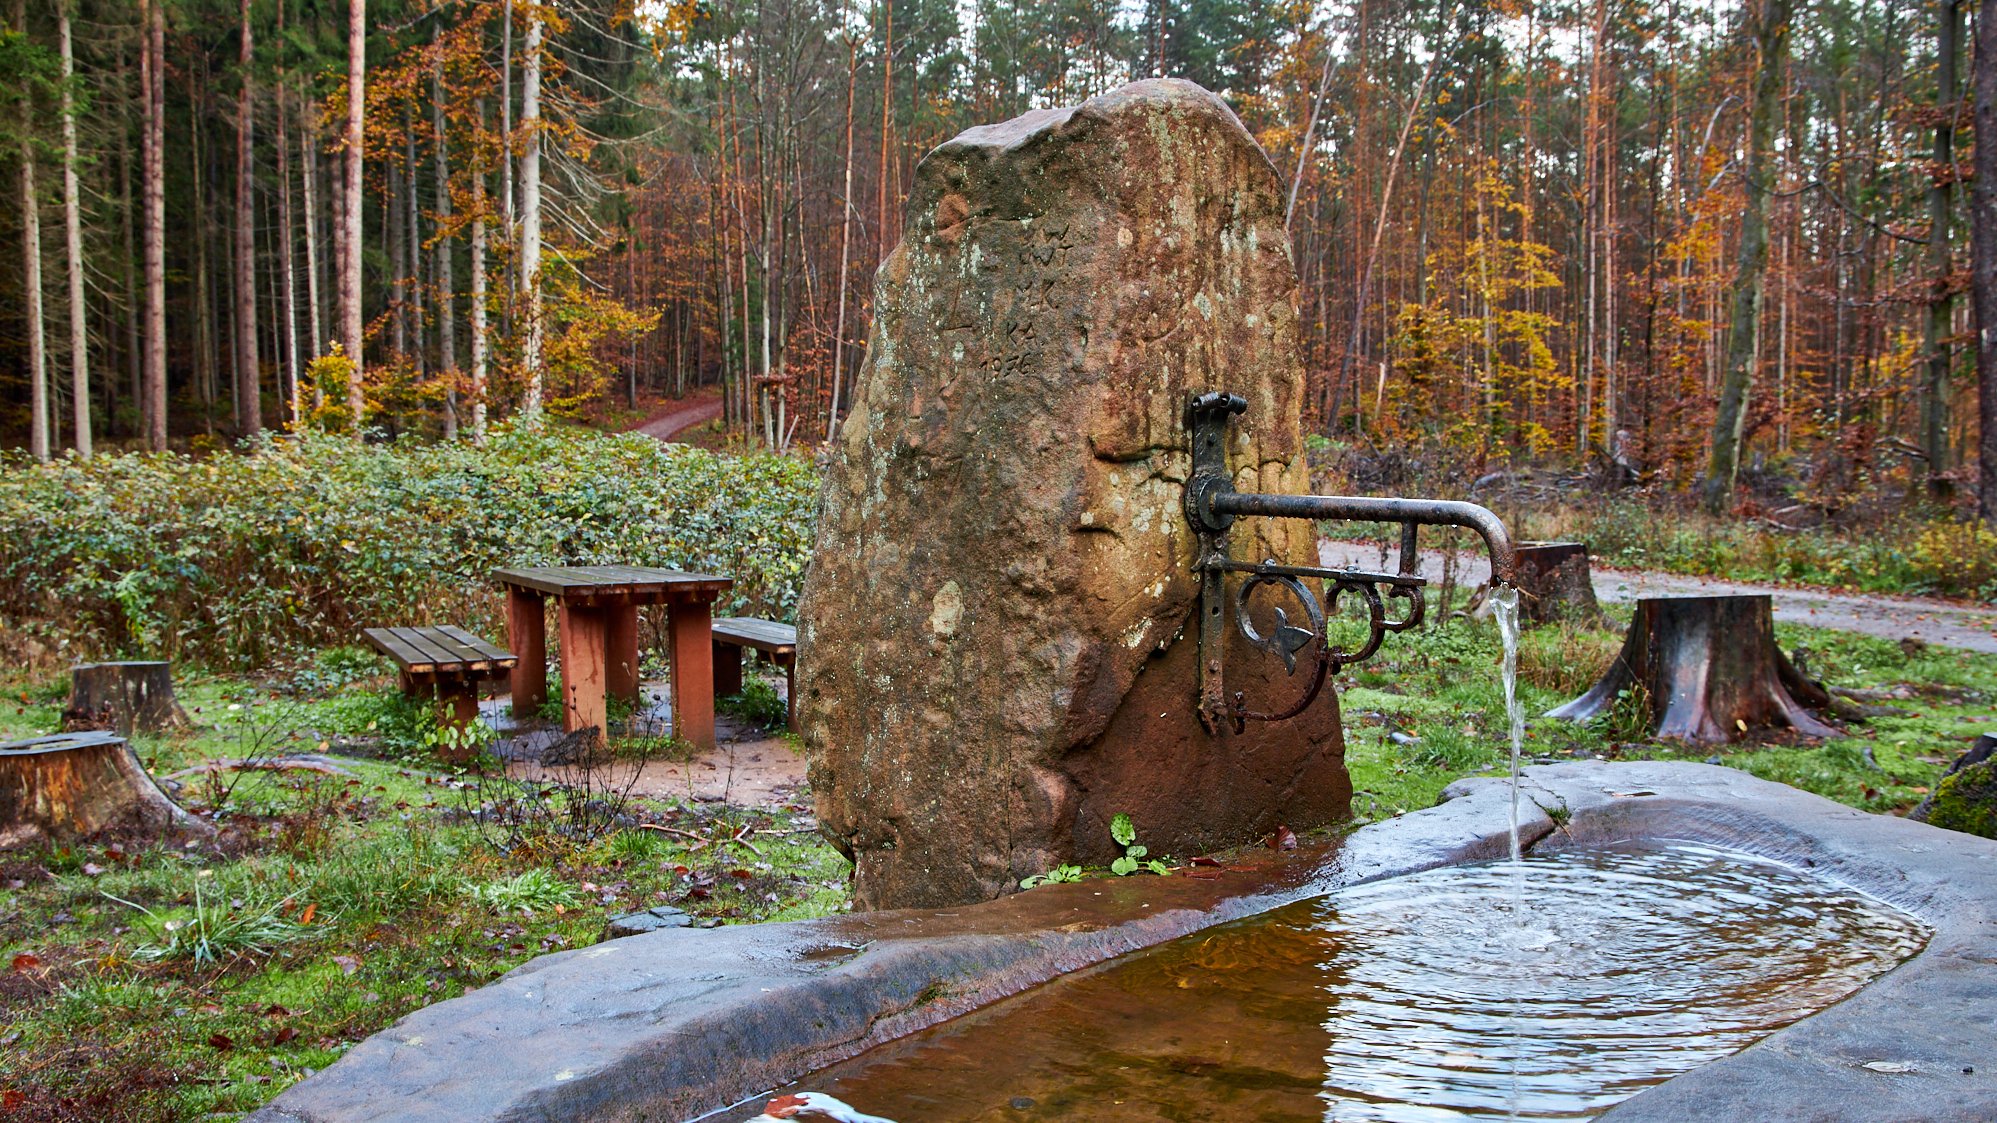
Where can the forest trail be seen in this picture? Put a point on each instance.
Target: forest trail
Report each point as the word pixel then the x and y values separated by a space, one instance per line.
pixel 690 414
pixel 1928 619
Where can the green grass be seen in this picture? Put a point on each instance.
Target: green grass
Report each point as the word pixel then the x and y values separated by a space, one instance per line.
pixel 329 906
pixel 1442 686
pixel 161 982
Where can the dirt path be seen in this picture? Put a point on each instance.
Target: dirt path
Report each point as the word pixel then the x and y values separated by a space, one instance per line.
pixel 686 417
pixel 1940 622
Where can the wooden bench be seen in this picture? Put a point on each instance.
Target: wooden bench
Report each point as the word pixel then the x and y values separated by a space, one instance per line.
pixel 735 635
pixel 449 662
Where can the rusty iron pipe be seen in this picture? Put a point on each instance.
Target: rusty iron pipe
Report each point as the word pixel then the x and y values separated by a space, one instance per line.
pixel 1367 508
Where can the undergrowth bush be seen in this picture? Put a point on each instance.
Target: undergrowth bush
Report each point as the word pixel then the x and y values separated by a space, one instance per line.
pixel 234 560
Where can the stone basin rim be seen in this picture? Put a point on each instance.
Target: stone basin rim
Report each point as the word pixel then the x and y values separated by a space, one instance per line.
pixel 678 1024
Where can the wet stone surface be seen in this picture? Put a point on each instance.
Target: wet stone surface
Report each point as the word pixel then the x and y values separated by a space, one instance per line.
pixel 673 1025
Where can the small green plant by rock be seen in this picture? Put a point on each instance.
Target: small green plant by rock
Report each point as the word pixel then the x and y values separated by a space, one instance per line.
pixel 1054 876
pixel 1135 856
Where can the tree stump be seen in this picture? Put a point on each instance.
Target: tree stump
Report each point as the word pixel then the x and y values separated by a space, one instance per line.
pixel 1555 584
pixel 75 786
pixel 1705 670
pixel 127 697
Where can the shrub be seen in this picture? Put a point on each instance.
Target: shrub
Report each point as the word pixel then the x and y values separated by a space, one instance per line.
pixel 234 560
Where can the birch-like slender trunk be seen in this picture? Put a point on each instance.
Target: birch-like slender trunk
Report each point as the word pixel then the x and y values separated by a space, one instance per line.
pixel 308 148
pixel 478 295
pixel 530 214
pixel 351 325
pixel 249 388
pixel 845 248
pixel 72 212
pixel 152 75
pixel 287 271
pixel 447 327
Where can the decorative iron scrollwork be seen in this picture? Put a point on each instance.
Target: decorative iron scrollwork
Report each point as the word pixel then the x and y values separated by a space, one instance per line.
pixel 1212 506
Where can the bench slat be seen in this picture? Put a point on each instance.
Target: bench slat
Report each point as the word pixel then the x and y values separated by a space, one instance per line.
pixel 458 650
pixel 499 656
pixel 433 652
pixel 763 635
pixel 390 643
pixel 439 650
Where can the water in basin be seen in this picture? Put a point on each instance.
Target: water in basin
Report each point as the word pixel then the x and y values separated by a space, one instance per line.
pixel 1418 998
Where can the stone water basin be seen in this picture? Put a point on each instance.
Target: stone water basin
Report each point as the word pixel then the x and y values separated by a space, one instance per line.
pixel 1426 984
pixel 1550 991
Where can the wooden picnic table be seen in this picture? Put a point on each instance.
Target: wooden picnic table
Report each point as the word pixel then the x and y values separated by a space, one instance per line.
pixel 598 620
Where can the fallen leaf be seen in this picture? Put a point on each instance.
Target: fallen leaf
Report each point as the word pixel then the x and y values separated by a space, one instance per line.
pixel 311 911
pixel 1283 839
pixel 347 964
pixel 1205 861
pixel 283 1035
pixel 221 1041
pixel 92 869
pixel 27 961
pixel 275 1011
pixel 743 874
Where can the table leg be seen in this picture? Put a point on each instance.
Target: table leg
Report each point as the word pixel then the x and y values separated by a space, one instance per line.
pixel 583 629
pixel 621 674
pixel 527 636
pixel 691 625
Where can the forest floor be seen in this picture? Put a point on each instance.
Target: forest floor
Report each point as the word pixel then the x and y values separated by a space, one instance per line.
pixel 149 981
pixel 1949 623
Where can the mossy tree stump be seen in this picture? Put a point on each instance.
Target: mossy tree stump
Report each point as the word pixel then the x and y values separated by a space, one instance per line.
pixel 1965 798
pixel 1705 670
pixel 126 696
pixel 75 786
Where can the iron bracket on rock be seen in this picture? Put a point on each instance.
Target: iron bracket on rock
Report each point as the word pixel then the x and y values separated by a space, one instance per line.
pixel 1212 506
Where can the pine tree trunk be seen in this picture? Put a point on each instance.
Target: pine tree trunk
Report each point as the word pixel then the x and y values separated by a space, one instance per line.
pixel 72 210
pixel 1770 25
pixel 31 277
pixel 351 321
pixel 1983 251
pixel 249 382
pixel 153 76
pixel 1941 305
pixel 287 269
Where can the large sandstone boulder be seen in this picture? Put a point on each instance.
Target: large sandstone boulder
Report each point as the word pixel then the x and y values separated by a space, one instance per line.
pixel 996 645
